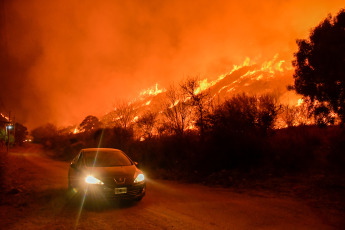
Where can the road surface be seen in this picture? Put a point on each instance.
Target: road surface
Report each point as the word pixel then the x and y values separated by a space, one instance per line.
pixel 36 197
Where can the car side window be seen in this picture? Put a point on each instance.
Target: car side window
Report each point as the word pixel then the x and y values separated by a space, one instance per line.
pixel 80 160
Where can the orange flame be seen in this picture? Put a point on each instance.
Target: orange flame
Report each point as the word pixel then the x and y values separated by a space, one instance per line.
pixel 76 130
pixel 152 91
pixel 135 119
pixel 204 84
pixel 300 102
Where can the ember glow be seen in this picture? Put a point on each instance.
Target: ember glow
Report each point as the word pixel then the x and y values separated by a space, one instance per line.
pixel 63 60
pixel 76 130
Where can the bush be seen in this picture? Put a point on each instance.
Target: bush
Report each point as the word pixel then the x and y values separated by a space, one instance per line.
pixel 236 140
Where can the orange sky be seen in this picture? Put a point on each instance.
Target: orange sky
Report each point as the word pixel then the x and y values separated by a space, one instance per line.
pixel 63 60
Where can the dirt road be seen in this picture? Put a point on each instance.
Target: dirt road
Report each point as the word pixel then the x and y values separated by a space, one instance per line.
pixel 35 197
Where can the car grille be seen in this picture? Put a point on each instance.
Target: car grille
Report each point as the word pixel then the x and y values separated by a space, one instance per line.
pixel 120 181
pixel 110 183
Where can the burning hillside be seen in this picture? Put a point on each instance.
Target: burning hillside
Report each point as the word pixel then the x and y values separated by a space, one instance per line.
pixel 270 77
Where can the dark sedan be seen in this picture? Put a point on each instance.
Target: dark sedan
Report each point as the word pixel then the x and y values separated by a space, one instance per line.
pixel 106 173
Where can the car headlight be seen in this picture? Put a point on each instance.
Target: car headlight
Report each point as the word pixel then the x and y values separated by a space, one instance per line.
pixel 139 178
pixel 92 180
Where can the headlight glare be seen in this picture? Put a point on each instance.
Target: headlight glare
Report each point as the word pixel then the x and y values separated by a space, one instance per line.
pixel 92 180
pixel 139 178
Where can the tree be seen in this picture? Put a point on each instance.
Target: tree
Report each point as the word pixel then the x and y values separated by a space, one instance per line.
pixel 20 134
pixel 199 100
pixel 237 114
pixel 125 115
pixel 176 111
pixel 108 120
pixel 268 108
pixel 122 116
pixel 44 134
pixel 288 115
pixel 320 66
pixel 146 123
pixel 90 123
pixel 243 113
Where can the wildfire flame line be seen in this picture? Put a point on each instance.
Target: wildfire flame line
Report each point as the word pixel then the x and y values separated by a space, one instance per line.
pixel 152 91
pixel 271 67
pixel 262 71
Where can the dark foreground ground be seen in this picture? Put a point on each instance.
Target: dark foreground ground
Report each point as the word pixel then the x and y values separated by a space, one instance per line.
pixel 34 196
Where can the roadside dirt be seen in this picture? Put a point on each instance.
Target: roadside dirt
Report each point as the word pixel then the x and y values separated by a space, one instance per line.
pixel 34 196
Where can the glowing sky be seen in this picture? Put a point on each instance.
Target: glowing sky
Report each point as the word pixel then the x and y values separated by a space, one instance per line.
pixel 63 60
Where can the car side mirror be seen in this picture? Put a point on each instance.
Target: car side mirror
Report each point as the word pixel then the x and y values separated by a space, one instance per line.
pixel 136 163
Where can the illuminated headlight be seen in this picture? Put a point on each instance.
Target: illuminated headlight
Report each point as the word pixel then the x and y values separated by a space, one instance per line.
pixel 92 180
pixel 140 178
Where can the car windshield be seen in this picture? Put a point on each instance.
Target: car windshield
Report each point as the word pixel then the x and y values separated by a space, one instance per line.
pixel 106 158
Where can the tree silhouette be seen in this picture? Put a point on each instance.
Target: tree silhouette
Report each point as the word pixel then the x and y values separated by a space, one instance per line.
pixel 20 134
pixel 199 100
pixel 268 108
pixel 243 113
pixel 125 115
pixel 176 111
pixel 146 123
pixel 320 65
pixel 44 133
pixel 237 114
pixel 90 123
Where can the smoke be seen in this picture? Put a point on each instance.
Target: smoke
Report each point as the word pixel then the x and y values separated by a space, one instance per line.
pixel 63 60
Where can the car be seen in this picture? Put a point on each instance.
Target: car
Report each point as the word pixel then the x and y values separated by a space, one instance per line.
pixel 106 173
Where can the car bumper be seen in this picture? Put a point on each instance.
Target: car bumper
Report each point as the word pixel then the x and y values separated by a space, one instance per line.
pixel 133 192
